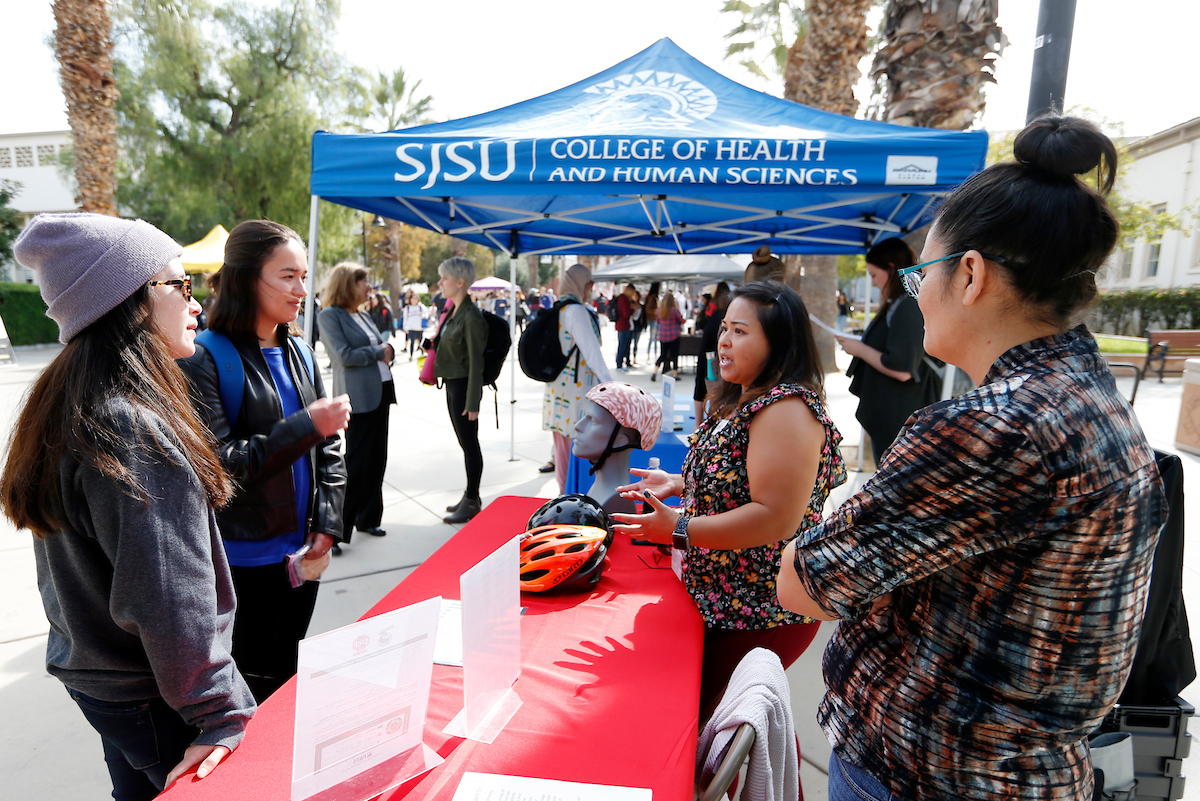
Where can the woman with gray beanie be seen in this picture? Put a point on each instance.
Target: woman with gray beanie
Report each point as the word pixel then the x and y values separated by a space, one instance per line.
pixel 116 476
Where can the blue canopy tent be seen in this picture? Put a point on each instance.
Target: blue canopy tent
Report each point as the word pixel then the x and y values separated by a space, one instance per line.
pixel 657 154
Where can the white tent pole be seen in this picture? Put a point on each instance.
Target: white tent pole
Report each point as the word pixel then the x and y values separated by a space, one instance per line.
pixel 512 356
pixel 314 223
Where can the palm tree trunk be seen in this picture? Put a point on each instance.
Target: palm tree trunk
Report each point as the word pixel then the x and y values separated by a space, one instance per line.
pixel 83 45
pixel 821 71
pixel 935 59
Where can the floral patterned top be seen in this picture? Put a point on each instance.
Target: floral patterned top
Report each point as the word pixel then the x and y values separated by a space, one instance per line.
pixel 736 589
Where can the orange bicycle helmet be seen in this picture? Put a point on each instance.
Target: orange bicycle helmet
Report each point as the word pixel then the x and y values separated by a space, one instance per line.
pixel 562 557
pixel 574 509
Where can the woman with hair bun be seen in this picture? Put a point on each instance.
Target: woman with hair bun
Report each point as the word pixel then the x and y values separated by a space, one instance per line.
pixel 889 373
pixel 991 578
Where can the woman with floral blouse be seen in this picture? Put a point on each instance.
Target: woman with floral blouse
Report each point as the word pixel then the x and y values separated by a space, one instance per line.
pixel 759 470
pixel 991 578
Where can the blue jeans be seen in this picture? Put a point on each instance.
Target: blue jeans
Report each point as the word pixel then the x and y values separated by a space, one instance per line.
pixel 848 782
pixel 142 741
pixel 624 340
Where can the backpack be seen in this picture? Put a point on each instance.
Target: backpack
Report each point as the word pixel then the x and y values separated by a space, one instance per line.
pixel 231 373
pixel 611 311
pixel 538 351
pixel 499 342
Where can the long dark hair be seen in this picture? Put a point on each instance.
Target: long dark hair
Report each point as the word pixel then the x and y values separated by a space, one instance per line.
pixel 891 256
pixel 793 357
pixel 65 417
pixel 1053 230
pixel 235 310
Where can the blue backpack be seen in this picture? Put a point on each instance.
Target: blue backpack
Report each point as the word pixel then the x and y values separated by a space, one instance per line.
pixel 231 375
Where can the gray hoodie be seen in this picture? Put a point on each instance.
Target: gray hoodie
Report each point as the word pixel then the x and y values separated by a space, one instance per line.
pixel 138 594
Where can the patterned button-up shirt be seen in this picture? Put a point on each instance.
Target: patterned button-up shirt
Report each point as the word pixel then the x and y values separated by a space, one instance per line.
pixel 670 327
pixel 1014 527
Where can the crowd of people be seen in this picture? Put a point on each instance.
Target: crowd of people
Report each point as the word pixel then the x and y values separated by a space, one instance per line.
pixel 988 582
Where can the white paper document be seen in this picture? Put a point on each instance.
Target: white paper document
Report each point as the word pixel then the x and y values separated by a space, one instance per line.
pixel 448 650
pixel 488 787
pixel 361 695
pixel 833 331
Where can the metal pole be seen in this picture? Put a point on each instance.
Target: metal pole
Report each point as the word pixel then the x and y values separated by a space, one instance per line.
pixel 512 357
pixel 364 239
pixel 314 223
pixel 1051 55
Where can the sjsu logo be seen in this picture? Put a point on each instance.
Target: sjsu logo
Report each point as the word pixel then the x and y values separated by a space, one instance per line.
pixel 648 98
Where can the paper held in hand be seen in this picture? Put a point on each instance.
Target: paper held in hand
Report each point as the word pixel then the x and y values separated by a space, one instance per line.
pixel 834 331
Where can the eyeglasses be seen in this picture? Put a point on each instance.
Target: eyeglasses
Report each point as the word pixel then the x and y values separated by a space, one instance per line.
pixel 184 284
pixel 912 278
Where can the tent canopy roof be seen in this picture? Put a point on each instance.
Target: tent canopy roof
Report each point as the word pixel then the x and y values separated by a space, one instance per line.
pixel 657 154
pixel 671 268
pixel 207 255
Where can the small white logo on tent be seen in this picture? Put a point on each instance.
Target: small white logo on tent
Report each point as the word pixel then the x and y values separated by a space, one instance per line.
pixel 919 170
pixel 649 98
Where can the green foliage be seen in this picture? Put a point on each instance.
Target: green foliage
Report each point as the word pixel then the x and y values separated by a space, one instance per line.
pixel 440 247
pixel 10 224
pixel 1131 311
pixel 1109 344
pixel 775 25
pixel 217 110
pixel 849 268
pixel 24 315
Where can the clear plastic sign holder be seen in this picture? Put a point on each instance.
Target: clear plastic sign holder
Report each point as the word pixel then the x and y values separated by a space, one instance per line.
pixel 491 627
pixel 361 696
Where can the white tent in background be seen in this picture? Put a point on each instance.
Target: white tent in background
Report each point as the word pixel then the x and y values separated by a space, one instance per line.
pixel 671 268
pixel 490 282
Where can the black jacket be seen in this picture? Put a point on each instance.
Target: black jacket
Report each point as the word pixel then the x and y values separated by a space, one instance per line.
pixel 260 450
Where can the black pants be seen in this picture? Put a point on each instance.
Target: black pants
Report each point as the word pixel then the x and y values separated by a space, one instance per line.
pixel 414 341
pixel 467 432
pixel 668 355
pixel 142 741
pixel 271 619
pixel 366 461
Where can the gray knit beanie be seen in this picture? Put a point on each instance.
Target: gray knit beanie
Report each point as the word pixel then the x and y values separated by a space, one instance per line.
pixel 88 264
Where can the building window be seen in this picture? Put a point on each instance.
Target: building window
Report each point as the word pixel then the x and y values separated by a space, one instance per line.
pixel 24 156
pixel 1152 259
pixel 1125 261
pixel 5 158
pixel 46 155
pixel 1155 249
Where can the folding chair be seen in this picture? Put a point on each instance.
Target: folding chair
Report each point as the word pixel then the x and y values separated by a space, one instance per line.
pixel 737 754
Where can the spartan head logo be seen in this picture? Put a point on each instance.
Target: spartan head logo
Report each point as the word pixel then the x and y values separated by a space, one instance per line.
pixel 649 98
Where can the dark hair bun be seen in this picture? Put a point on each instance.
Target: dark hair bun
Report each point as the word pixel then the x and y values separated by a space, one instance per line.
pixel 762 255
pixel 1065 147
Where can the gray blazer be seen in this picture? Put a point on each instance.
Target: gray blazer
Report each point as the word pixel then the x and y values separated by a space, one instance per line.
pixel 354 358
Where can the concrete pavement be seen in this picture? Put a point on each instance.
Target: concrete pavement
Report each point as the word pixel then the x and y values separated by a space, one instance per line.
pixel 47 750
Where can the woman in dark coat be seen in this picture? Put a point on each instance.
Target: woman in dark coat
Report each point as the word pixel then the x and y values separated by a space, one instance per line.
pixel 890 374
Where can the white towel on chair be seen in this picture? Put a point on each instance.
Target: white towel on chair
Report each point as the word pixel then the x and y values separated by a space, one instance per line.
pixel 757 694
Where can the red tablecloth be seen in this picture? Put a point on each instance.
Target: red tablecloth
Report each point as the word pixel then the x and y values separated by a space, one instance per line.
pixel 610 684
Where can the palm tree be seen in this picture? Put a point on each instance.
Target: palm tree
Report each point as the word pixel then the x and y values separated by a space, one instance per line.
pixel 819 69
pixel 935 59
pixel 779 23
pixel 83 46
pixel 398 103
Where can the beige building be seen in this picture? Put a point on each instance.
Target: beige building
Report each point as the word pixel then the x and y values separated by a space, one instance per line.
pixel 32 159
pixel 1162 175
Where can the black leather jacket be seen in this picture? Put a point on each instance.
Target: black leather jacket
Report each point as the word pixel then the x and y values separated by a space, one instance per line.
pixel 260 450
